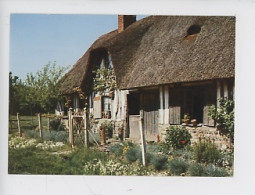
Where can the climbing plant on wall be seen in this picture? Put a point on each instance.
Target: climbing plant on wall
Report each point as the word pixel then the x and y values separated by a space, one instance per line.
pixel 224 116
pixel 104 80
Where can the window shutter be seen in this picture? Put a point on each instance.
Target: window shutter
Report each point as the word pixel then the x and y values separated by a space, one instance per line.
pixel 97 107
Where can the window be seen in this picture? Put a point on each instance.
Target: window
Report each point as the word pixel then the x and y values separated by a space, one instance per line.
pixel 194 29
pixel 106 104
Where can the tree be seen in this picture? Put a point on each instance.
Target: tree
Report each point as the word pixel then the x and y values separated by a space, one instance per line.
pixel 12 93
pixel 39 92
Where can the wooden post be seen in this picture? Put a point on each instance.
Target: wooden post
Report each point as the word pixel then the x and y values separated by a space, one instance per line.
pixel 218 93
pixel 161 100
pixel 166 105
pixel 18 120
pixel 48 121
pixel 143 143
pixel 71 139
pixel 40 125
pixel 86 133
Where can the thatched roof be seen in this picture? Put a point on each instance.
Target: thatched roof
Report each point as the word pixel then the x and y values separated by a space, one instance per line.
pixel 76 77
pixel 158 50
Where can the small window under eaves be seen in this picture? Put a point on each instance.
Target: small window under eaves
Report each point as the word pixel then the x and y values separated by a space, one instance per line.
pixel 194 29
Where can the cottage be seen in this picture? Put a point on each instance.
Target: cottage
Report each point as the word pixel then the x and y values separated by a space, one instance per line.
pixel 164 66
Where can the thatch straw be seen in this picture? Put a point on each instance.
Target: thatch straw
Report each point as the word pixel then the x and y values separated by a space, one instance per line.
pixel 158 50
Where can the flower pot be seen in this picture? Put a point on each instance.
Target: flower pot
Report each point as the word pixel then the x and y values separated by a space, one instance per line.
pixel 194 122
pixel 186 121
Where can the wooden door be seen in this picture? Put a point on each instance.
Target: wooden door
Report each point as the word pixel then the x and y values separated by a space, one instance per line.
pixel 209 99
pixel 175 106
pixel 150 102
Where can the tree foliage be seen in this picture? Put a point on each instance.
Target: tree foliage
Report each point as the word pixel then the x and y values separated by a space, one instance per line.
pixel 39 91
pixel 224 116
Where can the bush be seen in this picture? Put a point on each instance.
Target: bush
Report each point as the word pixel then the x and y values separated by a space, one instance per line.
pixel 185 153
pixel 108 129
pixel 207 171
pixel 159 162
pixel 206 152
pixel 226 160
pixel 56 125
pixel 197 170
pixel 131 154
pixel 116 149
pixel 154 147
pixel 178 166
pixel 32 134
pixel 177 137
pixel 213 171
pixel 149 157
pixel 224 116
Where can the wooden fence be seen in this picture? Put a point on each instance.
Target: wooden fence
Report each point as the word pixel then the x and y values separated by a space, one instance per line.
pixel 78 120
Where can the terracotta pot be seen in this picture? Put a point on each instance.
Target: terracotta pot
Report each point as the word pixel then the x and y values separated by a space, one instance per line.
pixel 186 121
pixel 194 122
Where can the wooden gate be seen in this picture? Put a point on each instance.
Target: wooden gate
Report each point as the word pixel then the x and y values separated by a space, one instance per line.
pixel 150 104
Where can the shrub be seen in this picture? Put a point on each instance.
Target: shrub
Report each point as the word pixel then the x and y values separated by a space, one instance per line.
pixel 32 134
pixel 56 125
pixel 116 149
pixel 224 116
pixel 206 152
pixel 159 162
pixel 154 147
pixel 58 136
pixel 108 129
pixel 131 154
pixel 149 157
pixel 197 170
pixel 226 160
pixel 177 137
pixel 207 171
pixel 185 153
pixel 178 166
pixel 213 171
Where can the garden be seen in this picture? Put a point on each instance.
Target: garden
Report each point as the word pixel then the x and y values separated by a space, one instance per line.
pixel 175 156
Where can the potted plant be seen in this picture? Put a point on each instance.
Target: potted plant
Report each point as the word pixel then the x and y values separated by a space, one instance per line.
pixel 186 119
pixel 194 122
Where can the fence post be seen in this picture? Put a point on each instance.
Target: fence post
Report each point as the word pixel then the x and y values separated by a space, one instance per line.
pixel 70 118
pixel 18 120
pixel 143 142
pixel 40 125
pixel 48 121
pixel 86 128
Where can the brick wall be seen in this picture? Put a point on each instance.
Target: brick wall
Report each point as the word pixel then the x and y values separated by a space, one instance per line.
pixel 124 21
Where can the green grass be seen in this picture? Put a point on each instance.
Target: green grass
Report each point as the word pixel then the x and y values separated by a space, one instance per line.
pixel 32 160
pixel 67 161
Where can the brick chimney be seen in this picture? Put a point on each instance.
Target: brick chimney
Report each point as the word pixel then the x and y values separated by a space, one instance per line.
pixel 124 21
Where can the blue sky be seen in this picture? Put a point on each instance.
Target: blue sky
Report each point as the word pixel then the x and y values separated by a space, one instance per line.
pixel 37 39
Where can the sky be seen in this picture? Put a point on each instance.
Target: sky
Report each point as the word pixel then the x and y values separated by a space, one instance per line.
pixel 37 39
